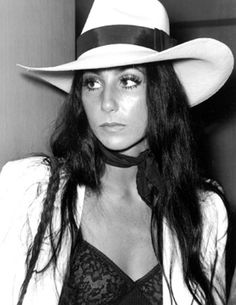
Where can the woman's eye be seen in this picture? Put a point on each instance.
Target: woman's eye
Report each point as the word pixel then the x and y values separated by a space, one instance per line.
pixel 130 81
pixel 91 84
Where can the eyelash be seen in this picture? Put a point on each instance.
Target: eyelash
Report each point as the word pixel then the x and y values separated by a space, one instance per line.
pixel 132 78
pixel 123 79
pixel 88 81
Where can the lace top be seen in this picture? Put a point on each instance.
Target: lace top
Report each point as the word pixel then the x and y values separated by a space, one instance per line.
pixel 93 278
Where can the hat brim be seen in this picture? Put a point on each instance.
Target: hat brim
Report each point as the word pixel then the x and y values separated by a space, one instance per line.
pixel 203 65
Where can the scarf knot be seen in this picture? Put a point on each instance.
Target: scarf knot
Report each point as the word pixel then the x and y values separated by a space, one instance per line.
pixel 148 178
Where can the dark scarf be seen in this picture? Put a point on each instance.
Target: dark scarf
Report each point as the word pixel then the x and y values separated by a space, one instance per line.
pixel 148 178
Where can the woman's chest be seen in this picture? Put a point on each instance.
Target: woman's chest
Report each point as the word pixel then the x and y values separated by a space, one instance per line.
pixel 113 261
pixel 94 278
pixel 122 234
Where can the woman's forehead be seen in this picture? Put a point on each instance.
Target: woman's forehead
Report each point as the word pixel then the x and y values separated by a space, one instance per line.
pixel 140 68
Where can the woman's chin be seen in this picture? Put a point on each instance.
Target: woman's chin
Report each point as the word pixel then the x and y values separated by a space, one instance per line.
pixel 132 149
pixel 114 146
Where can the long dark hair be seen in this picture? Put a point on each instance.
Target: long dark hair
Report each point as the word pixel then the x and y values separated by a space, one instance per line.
pixel 77 160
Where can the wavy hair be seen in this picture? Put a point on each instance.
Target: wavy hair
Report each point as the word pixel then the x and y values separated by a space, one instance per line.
pixel 76 158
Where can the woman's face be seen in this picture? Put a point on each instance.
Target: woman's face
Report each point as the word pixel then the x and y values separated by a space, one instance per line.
pixel 115 104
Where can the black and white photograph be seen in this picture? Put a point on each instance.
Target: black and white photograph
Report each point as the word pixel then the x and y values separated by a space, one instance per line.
pixel 118 152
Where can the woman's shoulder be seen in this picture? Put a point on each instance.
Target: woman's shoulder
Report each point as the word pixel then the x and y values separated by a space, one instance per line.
pixel 32 167
pixel 21 181
pixel 24 173
pixel 213 206
pixel 213 200
pixel 23 185
pixel 22 190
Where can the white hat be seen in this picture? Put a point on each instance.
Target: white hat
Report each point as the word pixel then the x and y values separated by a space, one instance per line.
pixel 123 32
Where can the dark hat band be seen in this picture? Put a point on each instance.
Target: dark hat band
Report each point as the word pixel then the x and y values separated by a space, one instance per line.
pixel 154 39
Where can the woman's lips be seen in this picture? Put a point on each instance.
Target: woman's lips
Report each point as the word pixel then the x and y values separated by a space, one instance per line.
pixel 112 126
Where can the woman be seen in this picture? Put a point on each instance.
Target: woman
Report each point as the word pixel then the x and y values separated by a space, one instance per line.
pixel 119 214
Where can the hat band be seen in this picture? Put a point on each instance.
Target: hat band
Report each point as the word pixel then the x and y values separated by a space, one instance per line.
pixel 126 34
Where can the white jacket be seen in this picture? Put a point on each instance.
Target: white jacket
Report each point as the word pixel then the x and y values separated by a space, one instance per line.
pixel 21 198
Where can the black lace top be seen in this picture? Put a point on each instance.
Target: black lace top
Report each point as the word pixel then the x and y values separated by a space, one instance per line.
pixel 95 279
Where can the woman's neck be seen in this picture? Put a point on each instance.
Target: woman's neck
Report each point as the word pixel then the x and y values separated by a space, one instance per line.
pixel 120 179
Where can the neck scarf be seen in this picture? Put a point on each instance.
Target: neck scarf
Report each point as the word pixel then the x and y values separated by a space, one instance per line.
pixel 148 178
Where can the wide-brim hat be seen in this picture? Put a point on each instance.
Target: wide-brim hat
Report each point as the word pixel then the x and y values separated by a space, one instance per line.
pixel 129 32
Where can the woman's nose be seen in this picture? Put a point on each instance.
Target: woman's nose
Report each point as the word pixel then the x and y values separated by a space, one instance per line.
pixel 109 99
